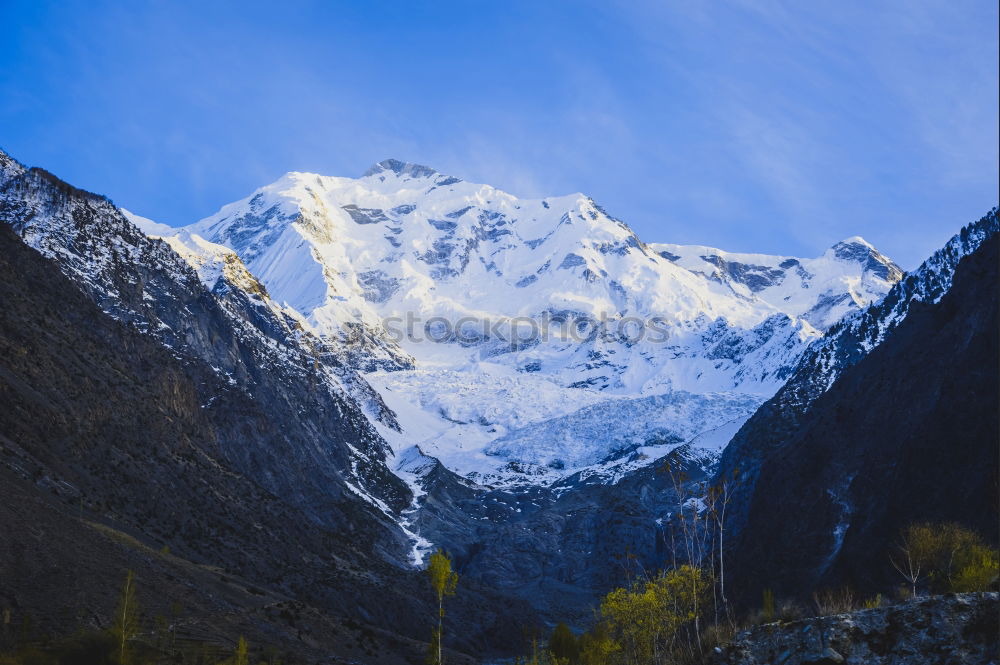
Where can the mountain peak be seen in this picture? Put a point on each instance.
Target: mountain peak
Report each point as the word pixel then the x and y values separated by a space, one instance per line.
pixel 400 168
pixel 854 240
pixel 860 251
pixel 9 167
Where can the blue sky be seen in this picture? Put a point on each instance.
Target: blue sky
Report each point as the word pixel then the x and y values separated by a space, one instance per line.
pixel 751 126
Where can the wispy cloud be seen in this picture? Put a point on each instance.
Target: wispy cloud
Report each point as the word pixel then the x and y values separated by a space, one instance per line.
pixel 752 124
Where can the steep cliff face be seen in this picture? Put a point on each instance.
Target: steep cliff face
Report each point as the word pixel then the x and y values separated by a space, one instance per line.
pixel 905 432
pixel 314 443
pixel 925 631
pixel 561 546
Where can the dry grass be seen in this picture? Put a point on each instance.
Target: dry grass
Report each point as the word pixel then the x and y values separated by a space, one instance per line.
pixel 835 601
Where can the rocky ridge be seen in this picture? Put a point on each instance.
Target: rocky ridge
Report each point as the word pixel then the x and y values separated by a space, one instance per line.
pixel 959 628
pixel 233 326
pixel 888 421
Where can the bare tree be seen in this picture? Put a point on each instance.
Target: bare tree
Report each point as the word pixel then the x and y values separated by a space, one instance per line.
pixel 911 557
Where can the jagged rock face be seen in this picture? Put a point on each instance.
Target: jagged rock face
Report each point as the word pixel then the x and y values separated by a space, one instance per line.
pixel 565 545
pixel 941 629
pixel 108 420
pixel 889 421
pixel 325 444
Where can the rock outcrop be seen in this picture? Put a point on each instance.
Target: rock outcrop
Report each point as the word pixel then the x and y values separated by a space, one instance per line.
pixel 960 628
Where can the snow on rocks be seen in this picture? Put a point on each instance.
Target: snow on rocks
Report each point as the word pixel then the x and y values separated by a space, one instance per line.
pixel 424 276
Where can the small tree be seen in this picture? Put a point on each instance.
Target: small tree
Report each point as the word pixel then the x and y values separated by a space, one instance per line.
pixel 718 498
pixel 444 582
pixel 648 620
pixel 597 646
pixel 126 620
pixel 913 554
pixel 434 647
pixel 980 570
pixel 960 561
pixel 240 654
pixel 949 557
pixel 563 645
pixel 767 609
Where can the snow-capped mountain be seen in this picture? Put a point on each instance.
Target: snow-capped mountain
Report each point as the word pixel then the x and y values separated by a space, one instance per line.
pixel 422 277
pixel 407 275
pixel 269 349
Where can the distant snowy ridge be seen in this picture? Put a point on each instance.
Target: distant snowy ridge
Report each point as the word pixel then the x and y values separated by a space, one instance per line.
pixel 404 239
pixel 791 284
pixel 858 333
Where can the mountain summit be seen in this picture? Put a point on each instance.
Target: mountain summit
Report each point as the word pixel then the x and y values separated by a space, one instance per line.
pixel 402 169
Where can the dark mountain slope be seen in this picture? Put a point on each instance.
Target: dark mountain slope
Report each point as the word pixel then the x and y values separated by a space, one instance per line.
pixel 102 425
pixel 843 346
pixel 311 436
pixel 908 433
pixel 561 547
